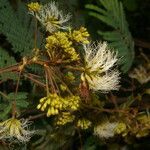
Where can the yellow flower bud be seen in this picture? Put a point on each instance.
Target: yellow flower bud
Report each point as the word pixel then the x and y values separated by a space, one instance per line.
pixel 56 111
pixel 81 35
pixel 42 99
pixel 83 123
pixel 120 128
pixel 48 112
pixel 34 7
pixel 52 111
pixel 38 106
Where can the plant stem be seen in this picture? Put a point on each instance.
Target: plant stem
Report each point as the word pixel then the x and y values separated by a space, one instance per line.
pixel 35 34
pixel 4 95
pixel 81 147
pixel 34 80
pixel 37 116
pixel 75 68
pixel 46 78
pixel 14 107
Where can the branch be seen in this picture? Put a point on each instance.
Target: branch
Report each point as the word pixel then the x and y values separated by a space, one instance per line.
pixel 141 43
pixel 36 116
pixel 35 80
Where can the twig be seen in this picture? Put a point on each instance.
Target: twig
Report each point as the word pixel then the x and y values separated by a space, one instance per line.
pixel 14 105
pixel 34 80
pixel 10 68
pixel 4 95
pixel 145 57
pixel 79 137
pixel 74 68
pixel 106 110
pixel 36 116
pixel 141 43
pixel 35 34
pixel 127 90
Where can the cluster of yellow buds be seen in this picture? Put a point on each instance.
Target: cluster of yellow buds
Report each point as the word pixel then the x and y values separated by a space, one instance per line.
pixel 71 103
pixel 142 130
pixel 60 40
pixel 121 129
pixel 52 103
pixel 83 123
pixel 80 36
pixel 64 118
pixel 34 7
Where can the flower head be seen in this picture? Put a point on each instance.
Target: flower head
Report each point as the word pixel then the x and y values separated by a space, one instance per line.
pixel 64 118
pixel 52 18
pixel 99 71
pixel 59 40
pixel 84 123
pixel 105 130
pixel 15 129
pixel 34 7
pixel 120 128
pixel 80 36
pixel 141 73
pixel 53 104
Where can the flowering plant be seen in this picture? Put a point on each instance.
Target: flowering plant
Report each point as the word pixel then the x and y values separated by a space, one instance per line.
pixel 73 72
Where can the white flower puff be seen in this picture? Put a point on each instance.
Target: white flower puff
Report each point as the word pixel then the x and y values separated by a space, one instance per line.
pixel 99 67
pixel 14 129
pixel 105 130
pixel 52 18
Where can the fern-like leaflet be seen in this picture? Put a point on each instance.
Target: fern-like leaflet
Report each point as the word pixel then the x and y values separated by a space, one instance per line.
pixel 120 38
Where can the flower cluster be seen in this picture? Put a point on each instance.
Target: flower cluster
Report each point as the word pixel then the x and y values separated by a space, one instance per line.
pixel 121 128
pixel 99 63
pixel 59 40
pixel 14 129
pixel 83 123
pixel 97 70
pixel 71 103
pixel 141 73
pixel 80 36
pixel 65 118
pixel 51 17
pixel 109 129
pixel 54 104
pixel 34 7
pixel 105 130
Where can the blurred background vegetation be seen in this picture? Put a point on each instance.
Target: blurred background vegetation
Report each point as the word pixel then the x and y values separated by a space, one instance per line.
pixel 16 31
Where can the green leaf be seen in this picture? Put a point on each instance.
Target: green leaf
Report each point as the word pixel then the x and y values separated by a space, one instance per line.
pixel 22 103
pixel 5 111
pixel 112 14
pixel 5 61
pixel 17 28
pixel 131 5
pixel 18 96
